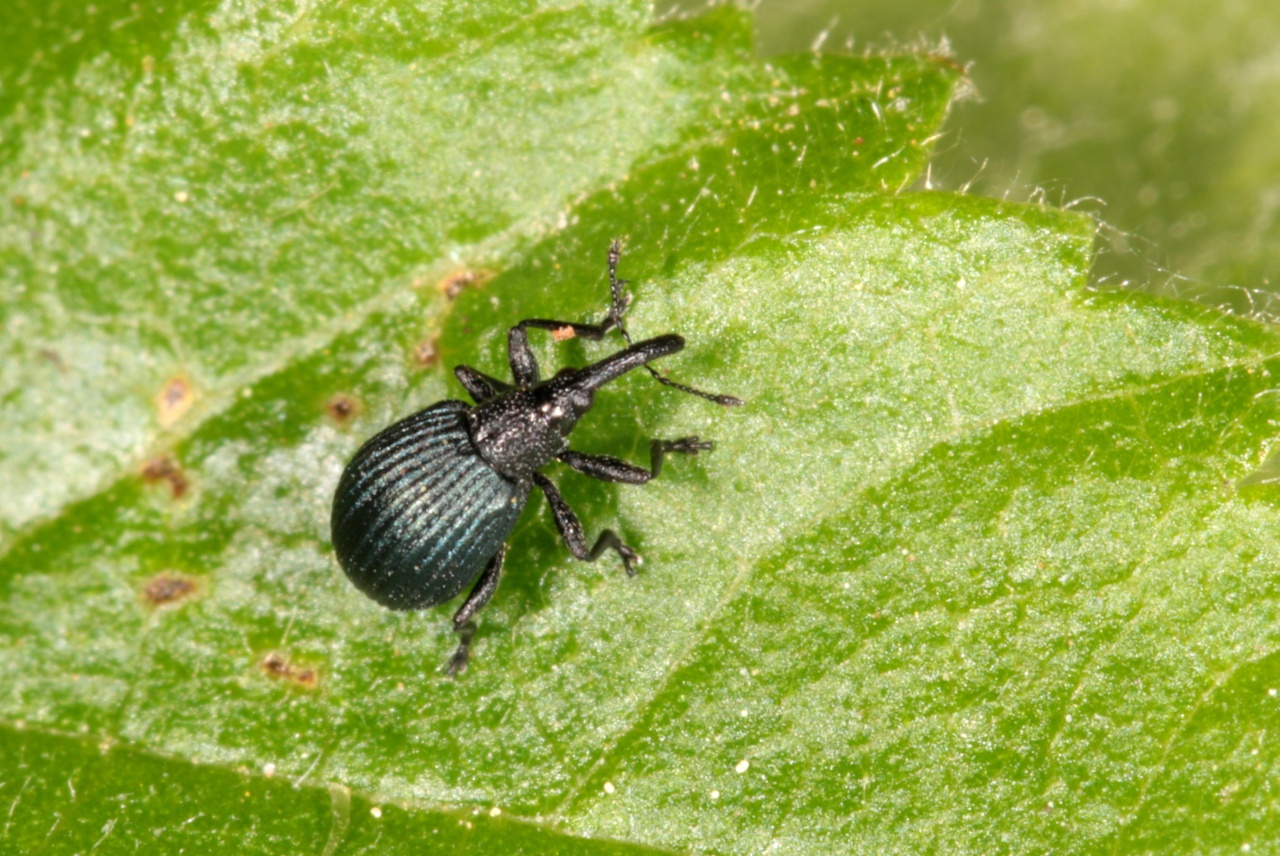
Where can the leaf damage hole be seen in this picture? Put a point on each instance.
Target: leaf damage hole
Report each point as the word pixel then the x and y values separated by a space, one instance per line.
pixel 168 588
pixel 342 408
pixel 164 469
pixel 277 665
pixel 453 284
pixel 174 400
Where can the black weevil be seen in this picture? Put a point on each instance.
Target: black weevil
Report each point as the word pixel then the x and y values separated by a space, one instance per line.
pixel 426 506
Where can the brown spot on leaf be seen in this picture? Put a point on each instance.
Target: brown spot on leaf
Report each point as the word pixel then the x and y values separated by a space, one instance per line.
pixel 277 665
pixel 52 356
pixel 456 282
pixel 164 469
pixel 168 588
pixel 426 354
pixel 342 408
pixel 174 400
pixel 563 334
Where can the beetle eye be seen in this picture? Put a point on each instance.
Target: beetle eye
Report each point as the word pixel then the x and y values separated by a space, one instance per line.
pixel 582 400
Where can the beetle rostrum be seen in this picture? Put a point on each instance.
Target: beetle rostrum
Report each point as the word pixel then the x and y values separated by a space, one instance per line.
pixel 425 508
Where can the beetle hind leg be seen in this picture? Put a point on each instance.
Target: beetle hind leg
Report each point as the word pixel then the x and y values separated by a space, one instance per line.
pixel 463 622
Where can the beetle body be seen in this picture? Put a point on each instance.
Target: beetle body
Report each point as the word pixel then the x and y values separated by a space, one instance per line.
pixel 418 512
pixel 426 506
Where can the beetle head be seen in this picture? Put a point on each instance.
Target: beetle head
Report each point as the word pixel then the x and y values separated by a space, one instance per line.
pixel 566 400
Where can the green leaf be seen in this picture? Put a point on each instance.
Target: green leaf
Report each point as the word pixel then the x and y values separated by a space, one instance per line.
pixel 278 173
pixel 73 796
pixel 963 572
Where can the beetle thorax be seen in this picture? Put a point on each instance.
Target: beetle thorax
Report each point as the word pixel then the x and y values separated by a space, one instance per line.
pixel 521 431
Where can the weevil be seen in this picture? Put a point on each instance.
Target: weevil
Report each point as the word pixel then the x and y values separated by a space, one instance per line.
pixel 425 507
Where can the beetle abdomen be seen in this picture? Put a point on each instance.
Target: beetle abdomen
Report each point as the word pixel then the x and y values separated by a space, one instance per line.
pixel 418 513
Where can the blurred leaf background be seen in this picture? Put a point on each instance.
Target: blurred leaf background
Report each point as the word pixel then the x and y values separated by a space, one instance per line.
pixel 1159 118
pixel 969 572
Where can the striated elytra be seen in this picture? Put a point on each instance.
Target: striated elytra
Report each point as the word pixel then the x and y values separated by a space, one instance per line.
pixel 425 507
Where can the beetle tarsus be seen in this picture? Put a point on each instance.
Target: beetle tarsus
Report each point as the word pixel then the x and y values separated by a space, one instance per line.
pixel 458 662
pixel 685 446
pixel 630 558
pixel 609 540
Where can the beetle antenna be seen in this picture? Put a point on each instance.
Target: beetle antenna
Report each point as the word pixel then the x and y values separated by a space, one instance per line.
pixel 618 305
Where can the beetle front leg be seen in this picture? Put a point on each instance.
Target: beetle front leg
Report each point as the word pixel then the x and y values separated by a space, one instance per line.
pixel 479 385
pixel 571 530
pixel 611 469
pixel 524 367
pixel 462 619
pixel 563 330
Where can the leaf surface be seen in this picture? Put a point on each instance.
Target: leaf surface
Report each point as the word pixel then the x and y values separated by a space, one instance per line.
pixel 965 568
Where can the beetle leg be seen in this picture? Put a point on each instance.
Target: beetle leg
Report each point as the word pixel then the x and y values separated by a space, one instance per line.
pixel 612 321
pixel 571 329
pixel 462 619
pixel 479 385
pixel 571 530
pixel 524 367
pixel 610 469
pixel 458 662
